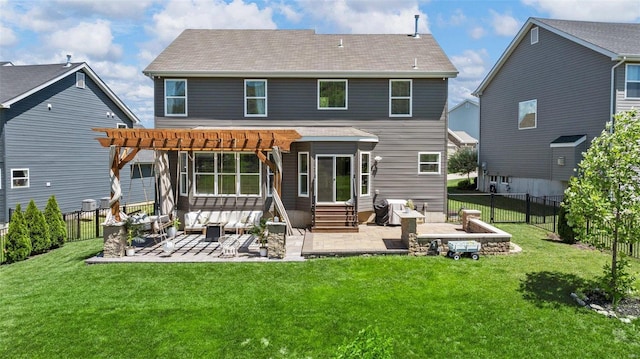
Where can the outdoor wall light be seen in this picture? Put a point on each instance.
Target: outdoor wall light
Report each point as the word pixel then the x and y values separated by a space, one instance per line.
pixel 377 159
pixel 49 106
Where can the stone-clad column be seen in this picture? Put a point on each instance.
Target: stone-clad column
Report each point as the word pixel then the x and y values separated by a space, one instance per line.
pixel 276 239
pixel 115 239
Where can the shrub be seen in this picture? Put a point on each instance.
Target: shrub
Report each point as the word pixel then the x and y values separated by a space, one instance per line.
pixel 466 184
pixel 57 227
pixel 368 344
pixel 622 286
pixel 18 242
pixel 37 229
pixel 565 231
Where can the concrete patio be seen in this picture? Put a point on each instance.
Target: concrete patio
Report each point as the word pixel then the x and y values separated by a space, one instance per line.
pixel 193 248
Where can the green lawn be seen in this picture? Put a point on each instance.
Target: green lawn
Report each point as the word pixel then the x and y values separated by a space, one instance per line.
pixel 511 306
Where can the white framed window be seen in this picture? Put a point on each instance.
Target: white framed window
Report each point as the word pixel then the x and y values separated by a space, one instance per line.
pixel 175 97
pixel 226 174
pixel 183 163
pixel 270 177
pixel 632 81
pixel 333 94
pixel 255 98
pixel 527 114
pixel 19 178
pixel 400 99
pixel 505 179
pixel 534 35
pixel 493 179
pixel 303 174
pixel 80 83
pixel 365 173
pixel 121 125
pixel 428 162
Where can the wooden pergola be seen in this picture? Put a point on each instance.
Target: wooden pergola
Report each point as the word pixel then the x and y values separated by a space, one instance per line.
pixel 127 142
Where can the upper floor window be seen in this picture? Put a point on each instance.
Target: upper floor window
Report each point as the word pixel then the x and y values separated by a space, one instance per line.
pixel 534 35
pixel 332 94
pixel 79 80
pixel 527 114
pixel 632 85
pixel 255 97
pixel 429 163
pixel 175 97
pixel 400 98
pixel 20 178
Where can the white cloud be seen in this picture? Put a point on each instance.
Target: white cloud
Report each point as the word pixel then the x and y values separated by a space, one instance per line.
pixel 591 10
pixel 90 39
pixel 110 8
pixel 8 37
pixel 289 12
pixel 504 24
pixel 477 32
pixel 473 66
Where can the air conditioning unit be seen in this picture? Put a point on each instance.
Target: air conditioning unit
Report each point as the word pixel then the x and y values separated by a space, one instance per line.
pixel 89 205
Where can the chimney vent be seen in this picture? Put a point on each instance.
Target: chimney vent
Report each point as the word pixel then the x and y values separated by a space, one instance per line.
pixel 415 33
pixel 68 64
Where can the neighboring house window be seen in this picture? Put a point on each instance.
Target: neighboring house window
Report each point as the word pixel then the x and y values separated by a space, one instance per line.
pixel 79 80
pixel 504 179
pixel 226 174
pixel 493 179
pixel 184 173
pixel 175 97
pixel 400 98
pixel 121 125
pixel 20 178
pixel 332 94
pixel 428 163
pixel 255 98
pixel 534 35
pixel 527 114
pixel 632 85
pixel 365 173
pixel 303 174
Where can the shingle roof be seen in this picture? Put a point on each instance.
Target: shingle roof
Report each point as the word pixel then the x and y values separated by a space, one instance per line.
pixel 315 133
pixel 299 52
pixel 17 80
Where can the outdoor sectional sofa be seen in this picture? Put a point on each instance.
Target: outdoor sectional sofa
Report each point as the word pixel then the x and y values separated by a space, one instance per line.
pixel 232 221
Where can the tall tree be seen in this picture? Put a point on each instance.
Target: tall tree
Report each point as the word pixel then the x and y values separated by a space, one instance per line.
pixel 604 197
pixel 18 244
pixel 57 227
pixel 464 161
pixel 37 228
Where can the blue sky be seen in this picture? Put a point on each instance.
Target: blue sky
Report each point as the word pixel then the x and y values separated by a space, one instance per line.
pixel 119 38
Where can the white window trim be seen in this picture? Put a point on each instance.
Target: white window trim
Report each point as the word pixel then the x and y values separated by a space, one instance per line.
pixel 183 157
pixel 410 98
pixel 80 80
pixel 186 98
pixel 493 179
pixel 536 118
pixel 535 35
pixel 368 174
pixel 28 177
pixel 346 95
pixel 300 174
pixel 626 71
pixel 216 174
pixel 439 163
pixel 269 189
pixel 503 178
pixel 121 125
pixel 266 111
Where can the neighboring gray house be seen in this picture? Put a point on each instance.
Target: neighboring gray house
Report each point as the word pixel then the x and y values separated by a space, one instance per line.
pixel 465 116
pixel 371 110
pixel 47 146
pixel 548 96
pixel 459 140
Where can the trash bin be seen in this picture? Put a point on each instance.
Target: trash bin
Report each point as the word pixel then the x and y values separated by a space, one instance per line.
pixel 104 202
pixel 89 205
pixel 381 207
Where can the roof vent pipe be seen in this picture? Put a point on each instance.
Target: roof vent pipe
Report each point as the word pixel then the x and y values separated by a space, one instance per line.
pixel 68 61
pixel 415 33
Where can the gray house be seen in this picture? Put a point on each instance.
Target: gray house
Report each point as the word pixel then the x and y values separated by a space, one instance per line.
pixel 47 146
pixel 465 116
pixel 548 96
pixel 371 112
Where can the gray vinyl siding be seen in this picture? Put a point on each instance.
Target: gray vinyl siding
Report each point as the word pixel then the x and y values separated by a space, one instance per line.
pixel 293 102
pixel 623 103
pixel 59 147
pixel 466 118
pixel 571 84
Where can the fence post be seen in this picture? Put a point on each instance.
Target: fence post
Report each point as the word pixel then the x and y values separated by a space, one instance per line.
pixel 528 209
pixel 555 215
pixel 79 215
pixel 97 220
pixel 492 207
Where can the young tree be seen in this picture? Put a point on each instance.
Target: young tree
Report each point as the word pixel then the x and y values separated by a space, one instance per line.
pixel 464 162
pixel 57 227
pixel 18 244
pixel 37 229
pixel 604 197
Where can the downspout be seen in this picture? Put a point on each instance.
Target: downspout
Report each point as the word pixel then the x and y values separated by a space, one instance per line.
pixel 613 69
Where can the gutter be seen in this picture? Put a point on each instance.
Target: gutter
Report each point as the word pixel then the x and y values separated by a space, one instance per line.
pixel 613 69
pixel 306 74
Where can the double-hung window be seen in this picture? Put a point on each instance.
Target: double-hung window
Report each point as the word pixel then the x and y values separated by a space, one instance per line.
pixel 303 174
pixel 632 84
pixel 226 174
pixel 255 98
pixel 365 173
pixel 332 94
pixel 429 163
pixel 20 178
pixel 400 98
pixel 175 97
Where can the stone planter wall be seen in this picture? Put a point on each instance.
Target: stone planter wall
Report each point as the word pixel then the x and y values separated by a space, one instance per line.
pixel 115 240
pixel 276 240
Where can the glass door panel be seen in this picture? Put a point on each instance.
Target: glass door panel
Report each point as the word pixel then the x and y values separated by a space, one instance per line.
pixel 343 179
pixel 325 179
